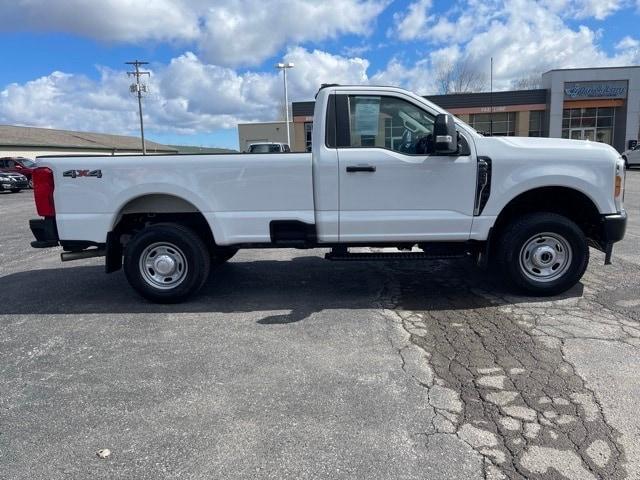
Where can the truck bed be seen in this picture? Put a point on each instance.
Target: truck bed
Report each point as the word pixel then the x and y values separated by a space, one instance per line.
pixel 239 194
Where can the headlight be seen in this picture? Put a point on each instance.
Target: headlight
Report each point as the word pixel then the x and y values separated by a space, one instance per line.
pixel 7 179
pixel 618 192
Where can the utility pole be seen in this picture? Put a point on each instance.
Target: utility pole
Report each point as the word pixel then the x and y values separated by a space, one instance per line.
pixel 284 67
pixel 137 88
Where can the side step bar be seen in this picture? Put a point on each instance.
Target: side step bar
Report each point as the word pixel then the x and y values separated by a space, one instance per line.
pixel 90 253
pixel 345 255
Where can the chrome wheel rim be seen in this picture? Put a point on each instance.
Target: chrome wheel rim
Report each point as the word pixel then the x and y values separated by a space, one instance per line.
pixel 545 257
pixel 163 265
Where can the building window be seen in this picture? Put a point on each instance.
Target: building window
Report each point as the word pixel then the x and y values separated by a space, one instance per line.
pixel 594 124
pixel 308 129
pixel 535 123
pixel 502 124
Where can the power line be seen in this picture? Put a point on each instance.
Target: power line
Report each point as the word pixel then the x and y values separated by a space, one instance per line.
pixel 138 88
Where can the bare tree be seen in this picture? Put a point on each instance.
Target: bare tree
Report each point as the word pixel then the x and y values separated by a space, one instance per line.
pixel 530 82
pixel 460 77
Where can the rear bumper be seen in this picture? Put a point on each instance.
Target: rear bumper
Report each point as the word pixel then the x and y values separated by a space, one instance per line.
pixel 45 231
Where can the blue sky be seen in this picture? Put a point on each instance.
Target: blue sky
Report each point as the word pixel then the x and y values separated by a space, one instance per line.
pixel 212 62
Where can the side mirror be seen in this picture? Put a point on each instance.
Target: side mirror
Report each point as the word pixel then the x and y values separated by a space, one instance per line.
pixel 445 135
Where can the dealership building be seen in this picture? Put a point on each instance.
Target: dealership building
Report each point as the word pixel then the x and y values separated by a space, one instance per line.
pixel 596 104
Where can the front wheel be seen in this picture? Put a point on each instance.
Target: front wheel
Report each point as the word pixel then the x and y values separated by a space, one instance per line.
pixel 543 253
pixel 166 263
pixel 16 190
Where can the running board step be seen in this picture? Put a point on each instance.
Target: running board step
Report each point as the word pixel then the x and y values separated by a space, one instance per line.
pixel 346 256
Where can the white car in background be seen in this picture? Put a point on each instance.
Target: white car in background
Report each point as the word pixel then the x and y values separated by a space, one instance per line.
pixel 632 156
pixel 269 147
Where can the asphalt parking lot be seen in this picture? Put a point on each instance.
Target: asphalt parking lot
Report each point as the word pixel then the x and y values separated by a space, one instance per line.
pixel 288 366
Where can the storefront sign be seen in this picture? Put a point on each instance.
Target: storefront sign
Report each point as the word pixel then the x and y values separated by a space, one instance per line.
pixel 595 90
pixel 495 109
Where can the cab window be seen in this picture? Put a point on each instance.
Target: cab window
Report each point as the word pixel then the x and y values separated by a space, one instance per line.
pixel 389 122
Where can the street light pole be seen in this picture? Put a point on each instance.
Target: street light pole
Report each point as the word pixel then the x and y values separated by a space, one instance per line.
pixel 284 67
pixel 138 88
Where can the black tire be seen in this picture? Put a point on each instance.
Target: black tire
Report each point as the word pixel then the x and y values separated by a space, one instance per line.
pixel 543 254
pixel 220 255
pixel 181 248
pixel 16 190
pixel 626 162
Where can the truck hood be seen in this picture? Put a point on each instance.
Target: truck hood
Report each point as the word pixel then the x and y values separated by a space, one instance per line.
pixel 546 149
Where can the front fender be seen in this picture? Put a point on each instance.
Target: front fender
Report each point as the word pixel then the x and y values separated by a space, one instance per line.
pixel 595 183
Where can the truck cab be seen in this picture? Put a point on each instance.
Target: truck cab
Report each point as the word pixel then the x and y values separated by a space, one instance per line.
pixel 388 169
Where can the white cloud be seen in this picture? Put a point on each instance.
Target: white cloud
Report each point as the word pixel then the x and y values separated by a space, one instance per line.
pixel 315 68
pixel 628 43
pixel 235 32
pixel 187 95
pixel 107 20
pixel 523 36
pixel 201 92
pixel 413 23
pixel 240 32
pixel 598 9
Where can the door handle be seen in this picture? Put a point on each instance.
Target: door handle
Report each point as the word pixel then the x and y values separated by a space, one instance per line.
pixel 361 168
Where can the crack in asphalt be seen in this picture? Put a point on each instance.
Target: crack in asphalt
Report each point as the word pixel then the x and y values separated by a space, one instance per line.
pixel 497 374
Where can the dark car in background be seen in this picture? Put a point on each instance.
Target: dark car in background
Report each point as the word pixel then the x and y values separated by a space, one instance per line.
pixel 13 182
pixel 21 165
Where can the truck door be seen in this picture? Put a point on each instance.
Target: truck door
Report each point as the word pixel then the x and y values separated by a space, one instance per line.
pixel 390 187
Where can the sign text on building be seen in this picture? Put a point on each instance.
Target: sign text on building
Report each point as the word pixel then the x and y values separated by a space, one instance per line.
pixel 595 90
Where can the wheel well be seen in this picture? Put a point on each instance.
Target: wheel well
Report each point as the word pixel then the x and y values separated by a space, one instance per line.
pixel 157 203
pixel 149 210
pixel 565 201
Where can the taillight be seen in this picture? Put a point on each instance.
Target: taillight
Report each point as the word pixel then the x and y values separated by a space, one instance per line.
pixel 43 191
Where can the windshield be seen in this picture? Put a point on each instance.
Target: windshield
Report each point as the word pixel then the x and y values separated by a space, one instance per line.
pixel 264 148
pixel 27 163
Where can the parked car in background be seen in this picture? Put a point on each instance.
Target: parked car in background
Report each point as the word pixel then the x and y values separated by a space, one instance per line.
pixel 632 156
pixel 269 147
pixel 12 182
pixel 21 165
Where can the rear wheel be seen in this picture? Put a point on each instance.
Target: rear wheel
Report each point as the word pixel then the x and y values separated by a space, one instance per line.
pixel 543 253
pixel 166 263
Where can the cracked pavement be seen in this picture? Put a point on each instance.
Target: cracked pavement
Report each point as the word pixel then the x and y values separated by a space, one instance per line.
pixel 288 366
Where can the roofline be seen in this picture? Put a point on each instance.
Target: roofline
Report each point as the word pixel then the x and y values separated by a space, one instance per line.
pixel 486 93
pixel 270 121
pixel 589 68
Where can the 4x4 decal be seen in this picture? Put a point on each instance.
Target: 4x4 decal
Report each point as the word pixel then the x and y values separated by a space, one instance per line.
pixel 82 173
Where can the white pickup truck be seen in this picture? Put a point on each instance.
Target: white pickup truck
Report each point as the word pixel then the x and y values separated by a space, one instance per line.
pixel 388 169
